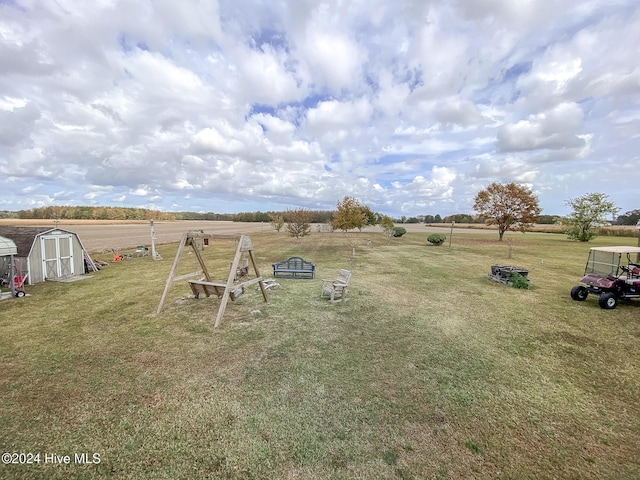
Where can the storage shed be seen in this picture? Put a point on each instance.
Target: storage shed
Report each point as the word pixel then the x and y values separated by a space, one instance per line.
pixel 47 253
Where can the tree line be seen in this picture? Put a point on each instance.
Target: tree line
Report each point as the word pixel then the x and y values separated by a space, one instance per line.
pixel 132 213
pixel 93 213
pixel 507 206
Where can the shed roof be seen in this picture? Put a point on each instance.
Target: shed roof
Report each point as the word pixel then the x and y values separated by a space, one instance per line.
pixel 7 247
pixel 23 237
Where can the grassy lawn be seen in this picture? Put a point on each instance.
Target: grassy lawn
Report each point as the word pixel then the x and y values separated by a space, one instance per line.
pixel 428 371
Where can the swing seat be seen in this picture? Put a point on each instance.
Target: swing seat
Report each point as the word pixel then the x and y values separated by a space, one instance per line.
pixel 199 287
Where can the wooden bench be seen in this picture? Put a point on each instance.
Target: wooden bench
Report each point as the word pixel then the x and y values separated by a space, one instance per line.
pixel 294 267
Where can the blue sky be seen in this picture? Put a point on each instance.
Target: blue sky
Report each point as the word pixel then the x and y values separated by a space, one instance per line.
pixel 412 107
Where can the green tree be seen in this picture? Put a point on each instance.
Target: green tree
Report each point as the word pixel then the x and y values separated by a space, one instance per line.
pixel 298 222
pixel 548 219
pixel 460 218
pixel 508 206
pixel 371 218
pixel 629 218
pixel 589 211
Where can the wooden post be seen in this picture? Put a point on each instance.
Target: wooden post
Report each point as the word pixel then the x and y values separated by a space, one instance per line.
pixel 167 287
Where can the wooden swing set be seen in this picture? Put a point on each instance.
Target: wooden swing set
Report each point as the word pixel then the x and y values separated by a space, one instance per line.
pixel 224 291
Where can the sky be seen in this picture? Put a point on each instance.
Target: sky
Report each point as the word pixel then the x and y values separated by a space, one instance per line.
pixel 227 106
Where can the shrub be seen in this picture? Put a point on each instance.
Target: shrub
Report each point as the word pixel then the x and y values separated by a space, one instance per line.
pixel 518 281
pixel 399 231
pixel 436 238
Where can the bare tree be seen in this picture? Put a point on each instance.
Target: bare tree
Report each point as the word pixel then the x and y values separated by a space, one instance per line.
pixel 387 225
pixel 298 222
pixel 277 220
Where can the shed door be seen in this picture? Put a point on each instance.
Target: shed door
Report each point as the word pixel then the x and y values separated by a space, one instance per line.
pixel 57 255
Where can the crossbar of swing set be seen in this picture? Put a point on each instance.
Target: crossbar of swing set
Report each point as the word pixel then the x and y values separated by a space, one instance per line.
pixel 192 235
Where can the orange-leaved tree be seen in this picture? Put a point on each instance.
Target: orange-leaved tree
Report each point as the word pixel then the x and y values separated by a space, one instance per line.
pixel 508 206
pixel 350 214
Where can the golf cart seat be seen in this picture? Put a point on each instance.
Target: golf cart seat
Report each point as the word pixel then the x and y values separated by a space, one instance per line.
pixel 634 282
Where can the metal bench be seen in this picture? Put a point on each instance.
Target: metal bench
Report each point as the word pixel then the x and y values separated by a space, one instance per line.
pixel 294 267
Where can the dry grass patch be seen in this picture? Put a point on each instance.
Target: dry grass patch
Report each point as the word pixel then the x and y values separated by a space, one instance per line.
pixel 428 371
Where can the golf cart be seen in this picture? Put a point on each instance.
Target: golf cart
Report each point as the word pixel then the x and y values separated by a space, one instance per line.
pixel 612 273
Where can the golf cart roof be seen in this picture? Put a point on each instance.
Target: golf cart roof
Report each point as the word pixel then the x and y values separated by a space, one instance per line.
pixel 618 249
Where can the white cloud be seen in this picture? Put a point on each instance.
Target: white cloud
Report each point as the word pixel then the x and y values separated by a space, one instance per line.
pixel 554 129
pixel 333 113
pixel 17 123
pixel 266 79
pixel 410 105
pixel 506 170
pixel 332 58
pixel 211 140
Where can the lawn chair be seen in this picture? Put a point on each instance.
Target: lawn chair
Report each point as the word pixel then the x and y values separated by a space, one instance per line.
pixel 337 288
pixel 142 251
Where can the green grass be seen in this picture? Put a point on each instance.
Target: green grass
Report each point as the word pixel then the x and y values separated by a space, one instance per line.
pixel 428 371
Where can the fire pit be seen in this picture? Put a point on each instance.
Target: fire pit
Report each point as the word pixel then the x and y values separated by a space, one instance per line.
pixel 502 273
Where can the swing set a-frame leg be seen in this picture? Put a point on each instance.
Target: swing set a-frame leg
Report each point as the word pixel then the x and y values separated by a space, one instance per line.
pixel 260 282
pixel 167 286
pixel 244 245
pixel 227 290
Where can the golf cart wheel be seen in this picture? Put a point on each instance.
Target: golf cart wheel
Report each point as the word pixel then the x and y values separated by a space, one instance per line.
pixel 20 294
pixel 579 293
pixel 608 301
